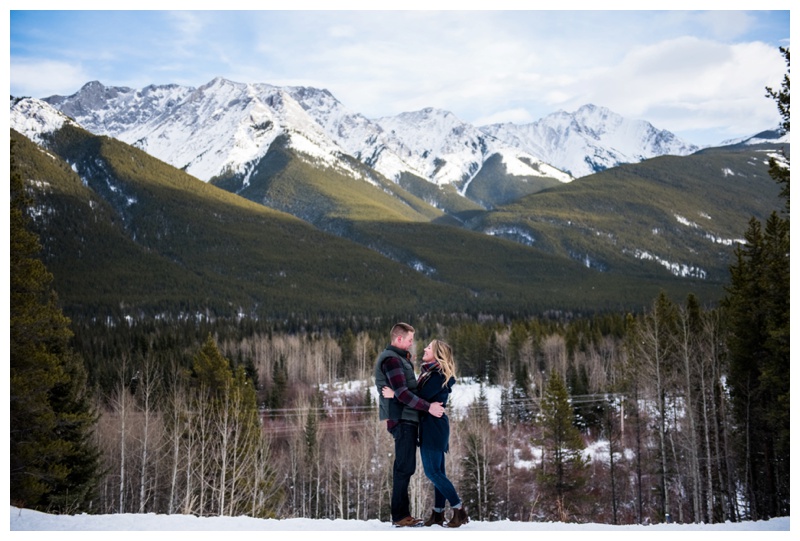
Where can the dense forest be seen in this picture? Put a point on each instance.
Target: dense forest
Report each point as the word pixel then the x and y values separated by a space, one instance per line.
pixel 677 413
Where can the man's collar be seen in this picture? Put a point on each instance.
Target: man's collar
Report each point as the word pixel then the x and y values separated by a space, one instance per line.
pixel 401 352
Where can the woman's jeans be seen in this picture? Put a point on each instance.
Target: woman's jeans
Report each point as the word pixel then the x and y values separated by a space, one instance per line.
pixel 433 464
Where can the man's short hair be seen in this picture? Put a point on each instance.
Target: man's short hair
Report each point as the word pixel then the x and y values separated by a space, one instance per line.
pixel 401 329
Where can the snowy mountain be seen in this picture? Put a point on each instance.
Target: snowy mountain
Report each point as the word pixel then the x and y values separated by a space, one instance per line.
pixel 447 150
pixel 34 118
pixel 225 127
pixel 220 127
pixel 768 136
pixel 590 140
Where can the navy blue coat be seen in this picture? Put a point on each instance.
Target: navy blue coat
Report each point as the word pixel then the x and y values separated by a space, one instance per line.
pixel 434 432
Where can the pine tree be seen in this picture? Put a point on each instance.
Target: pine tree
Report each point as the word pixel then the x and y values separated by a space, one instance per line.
pixel 520 398
pixel 779 168
pixel 280 383
pixel 563 471
pixel 229 435
pixel 758 342
pixel 54 464
pixel 757 305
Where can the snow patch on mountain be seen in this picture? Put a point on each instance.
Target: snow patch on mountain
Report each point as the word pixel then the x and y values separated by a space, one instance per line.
pixel 710 236
pixel 524 165
pixel 355 134
pixel 437 144
pixel 678 269
pixel 514 233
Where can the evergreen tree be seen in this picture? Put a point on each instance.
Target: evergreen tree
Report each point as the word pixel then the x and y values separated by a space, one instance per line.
pixel 757 305
pixel 563 471
pixel 54 465
pixel 758 342
pixel 520 397
pixel 280 384
pixel 347 343
pixel 229 436
pixel 779 168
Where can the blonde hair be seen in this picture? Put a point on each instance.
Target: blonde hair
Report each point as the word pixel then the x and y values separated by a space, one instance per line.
pixel 443 353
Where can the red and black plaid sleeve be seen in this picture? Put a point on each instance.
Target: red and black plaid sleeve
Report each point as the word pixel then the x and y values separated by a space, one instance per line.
pixel 393 369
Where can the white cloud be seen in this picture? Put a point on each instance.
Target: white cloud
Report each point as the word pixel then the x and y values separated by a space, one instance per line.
pixel 44 78
pixel 688 84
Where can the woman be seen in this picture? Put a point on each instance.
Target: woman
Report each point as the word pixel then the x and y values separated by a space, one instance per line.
pixel 434 384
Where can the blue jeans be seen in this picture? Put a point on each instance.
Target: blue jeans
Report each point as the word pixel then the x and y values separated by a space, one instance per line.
pixel 405 463
pixel 443 489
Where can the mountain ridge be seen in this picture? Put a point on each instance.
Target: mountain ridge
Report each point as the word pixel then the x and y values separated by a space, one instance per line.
pixel 431 144
pixel 591 139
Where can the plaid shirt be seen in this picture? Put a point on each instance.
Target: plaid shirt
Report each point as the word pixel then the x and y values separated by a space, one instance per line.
pixel 393 369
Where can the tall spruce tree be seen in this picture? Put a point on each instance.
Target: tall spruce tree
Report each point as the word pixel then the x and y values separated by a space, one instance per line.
pixel 231 438
pixel 757 305
pixel 563 471
pixel 54 464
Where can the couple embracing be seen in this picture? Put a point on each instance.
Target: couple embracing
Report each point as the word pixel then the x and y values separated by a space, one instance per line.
pixel 413 409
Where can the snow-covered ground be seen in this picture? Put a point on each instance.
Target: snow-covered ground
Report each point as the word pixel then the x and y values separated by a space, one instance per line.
pixel 27 520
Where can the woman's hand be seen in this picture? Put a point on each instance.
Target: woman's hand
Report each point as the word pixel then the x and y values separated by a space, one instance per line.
pixel 387 392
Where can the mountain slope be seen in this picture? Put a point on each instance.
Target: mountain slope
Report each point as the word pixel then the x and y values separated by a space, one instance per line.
pixel 126 235
pixel 288 180
pixel 680 214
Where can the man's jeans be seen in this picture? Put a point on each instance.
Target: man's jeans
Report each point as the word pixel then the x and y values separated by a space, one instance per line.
pixel 443 489
pixel 405 462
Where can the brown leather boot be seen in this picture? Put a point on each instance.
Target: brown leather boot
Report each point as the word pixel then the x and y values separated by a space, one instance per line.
pixel 437 517
pixel 459 517
pixel 407 522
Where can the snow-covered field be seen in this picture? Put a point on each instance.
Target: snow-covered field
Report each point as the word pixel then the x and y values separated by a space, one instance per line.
pixel 27 520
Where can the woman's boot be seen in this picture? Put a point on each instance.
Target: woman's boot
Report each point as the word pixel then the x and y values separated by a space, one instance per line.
pixel 437 517
pixel 459 517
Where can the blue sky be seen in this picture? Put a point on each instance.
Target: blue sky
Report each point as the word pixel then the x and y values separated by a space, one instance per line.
pixel 699 74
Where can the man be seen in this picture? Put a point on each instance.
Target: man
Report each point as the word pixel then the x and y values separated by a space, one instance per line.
pixel 393 368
